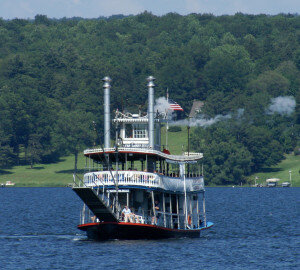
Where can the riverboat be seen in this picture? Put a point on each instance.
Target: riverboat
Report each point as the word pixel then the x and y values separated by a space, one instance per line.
pixel 136 189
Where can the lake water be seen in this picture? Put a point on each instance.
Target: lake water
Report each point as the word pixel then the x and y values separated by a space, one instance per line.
pixel 255 228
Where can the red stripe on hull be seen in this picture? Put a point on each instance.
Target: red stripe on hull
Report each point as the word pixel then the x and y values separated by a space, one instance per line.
pixel 133 231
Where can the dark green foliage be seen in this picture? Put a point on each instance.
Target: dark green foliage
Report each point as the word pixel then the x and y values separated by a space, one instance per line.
pixel 174 128
pixel 73 132
pixel 51 89
pixel 227 161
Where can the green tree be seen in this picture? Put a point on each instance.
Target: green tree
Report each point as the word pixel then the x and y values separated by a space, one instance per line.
pixel 228 67
pixel 226 161
pixel 264 149
pixel 251 45
pixel 74 131
pixel 34 149
pixel 271 82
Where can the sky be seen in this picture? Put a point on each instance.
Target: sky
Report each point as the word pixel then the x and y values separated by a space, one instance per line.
pixel 10 9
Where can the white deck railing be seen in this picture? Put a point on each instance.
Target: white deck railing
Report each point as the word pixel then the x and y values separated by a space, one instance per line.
pixel 177 184
pixel 143 179
pixel 190 157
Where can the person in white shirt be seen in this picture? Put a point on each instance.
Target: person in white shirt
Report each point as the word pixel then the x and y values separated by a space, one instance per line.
pixel 127 214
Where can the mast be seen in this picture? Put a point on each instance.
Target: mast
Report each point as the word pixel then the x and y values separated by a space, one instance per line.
pixel 171 211
pixel 177 209
pixel 153 205
pixel 204 211
pixel 164 209
pixel 167 125
pixel 188 130
pixel 198 217
pixel 117 173
pixel 182 169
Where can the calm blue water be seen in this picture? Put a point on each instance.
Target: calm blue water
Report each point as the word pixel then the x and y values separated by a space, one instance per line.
pixel 255 228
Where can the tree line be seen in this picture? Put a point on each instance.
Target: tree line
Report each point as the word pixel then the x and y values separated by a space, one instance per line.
pixel 51 89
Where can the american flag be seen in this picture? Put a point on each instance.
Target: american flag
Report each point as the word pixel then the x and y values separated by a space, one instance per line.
pixel 174 105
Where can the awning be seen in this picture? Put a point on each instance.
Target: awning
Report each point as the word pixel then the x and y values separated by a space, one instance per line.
pixel 272 180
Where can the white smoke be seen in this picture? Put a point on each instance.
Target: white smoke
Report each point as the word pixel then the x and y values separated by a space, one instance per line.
pixel 282 105
pixel 240 113
pixel 162 106
pixel 201 121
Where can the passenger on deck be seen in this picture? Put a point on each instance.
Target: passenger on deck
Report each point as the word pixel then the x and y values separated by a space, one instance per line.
pixel 134 217
pixel 127 214
pixel 156 216
pixel 94 219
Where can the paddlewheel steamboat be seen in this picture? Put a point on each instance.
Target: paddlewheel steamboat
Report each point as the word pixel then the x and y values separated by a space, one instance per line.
pixel 136 189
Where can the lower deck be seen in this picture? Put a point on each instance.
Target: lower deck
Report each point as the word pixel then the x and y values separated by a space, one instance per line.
pixel 143 206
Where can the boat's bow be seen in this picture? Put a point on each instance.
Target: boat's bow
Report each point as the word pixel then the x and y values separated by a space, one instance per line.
pixel 96 204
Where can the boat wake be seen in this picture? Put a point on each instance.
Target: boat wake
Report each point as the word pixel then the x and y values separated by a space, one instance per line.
pixel 75 237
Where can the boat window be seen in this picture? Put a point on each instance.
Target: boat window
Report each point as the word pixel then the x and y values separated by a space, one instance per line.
pixel 139 131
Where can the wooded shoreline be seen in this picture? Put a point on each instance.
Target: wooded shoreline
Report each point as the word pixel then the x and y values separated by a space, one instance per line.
pixel 244 68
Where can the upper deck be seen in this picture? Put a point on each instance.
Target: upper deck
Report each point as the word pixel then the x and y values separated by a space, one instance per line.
pixel 136 153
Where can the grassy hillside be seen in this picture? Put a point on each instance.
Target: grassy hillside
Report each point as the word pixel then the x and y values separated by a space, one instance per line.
pixel 60 173
pixel 177 141
pixel 45 175
pixel 281 171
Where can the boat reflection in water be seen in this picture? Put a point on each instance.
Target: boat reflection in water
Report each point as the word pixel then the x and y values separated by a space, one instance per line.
pixel 164 193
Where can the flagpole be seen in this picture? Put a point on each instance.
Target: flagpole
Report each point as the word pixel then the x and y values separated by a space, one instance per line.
pixel 167 126
pixel 182 167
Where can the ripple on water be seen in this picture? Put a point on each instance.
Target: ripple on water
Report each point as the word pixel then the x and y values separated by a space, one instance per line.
pixel 254 229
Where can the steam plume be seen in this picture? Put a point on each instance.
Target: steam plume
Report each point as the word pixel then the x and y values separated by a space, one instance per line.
pixel 282 105
pixel 163 107
pixel 201 121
